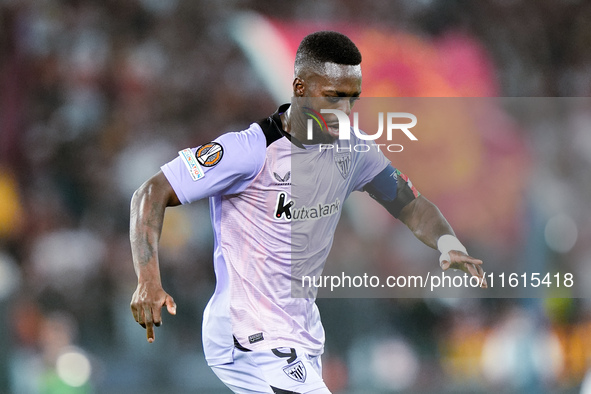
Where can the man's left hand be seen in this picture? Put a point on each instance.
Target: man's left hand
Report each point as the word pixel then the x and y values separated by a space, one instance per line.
pixel 468 264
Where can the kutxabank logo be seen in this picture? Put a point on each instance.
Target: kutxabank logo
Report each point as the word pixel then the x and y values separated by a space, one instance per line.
pixel 284 209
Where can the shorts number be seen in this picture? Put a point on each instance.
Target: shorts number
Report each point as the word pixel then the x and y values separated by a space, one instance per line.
pixel 291 356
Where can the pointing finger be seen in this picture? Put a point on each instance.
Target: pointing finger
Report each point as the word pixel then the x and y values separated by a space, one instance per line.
pixel 149 324
pixel 150 332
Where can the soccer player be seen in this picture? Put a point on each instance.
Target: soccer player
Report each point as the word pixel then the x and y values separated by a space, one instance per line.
pixel 275 200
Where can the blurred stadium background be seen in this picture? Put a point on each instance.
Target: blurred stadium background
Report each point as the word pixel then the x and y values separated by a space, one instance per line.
pixel 96 95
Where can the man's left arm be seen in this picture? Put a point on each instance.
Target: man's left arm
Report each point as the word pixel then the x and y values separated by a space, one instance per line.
pixel 395 192
pixel 429 225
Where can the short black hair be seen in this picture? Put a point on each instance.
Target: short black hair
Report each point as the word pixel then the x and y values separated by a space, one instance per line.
pixel 326 46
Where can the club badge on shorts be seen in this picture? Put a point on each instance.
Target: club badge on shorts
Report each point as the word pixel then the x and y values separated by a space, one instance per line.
pixel 210 154
pixel 296 371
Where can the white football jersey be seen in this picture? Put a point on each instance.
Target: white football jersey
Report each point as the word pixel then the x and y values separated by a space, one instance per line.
pixel 274 206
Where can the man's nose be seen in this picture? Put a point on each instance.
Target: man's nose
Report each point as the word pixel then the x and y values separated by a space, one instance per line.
pixel 345 105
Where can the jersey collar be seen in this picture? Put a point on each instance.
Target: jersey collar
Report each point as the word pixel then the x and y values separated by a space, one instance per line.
pixel 276 121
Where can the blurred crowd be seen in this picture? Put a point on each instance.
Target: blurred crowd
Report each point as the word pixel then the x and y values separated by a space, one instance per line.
pixel 96 95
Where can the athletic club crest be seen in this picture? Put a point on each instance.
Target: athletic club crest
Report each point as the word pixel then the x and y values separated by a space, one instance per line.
pixel 343 162
pixel 296 371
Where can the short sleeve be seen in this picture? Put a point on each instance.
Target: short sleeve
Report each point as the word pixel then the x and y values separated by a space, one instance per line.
pixel 226 165
pixel 370 163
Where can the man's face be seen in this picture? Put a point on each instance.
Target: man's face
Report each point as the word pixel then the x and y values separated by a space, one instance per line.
pixel 336 88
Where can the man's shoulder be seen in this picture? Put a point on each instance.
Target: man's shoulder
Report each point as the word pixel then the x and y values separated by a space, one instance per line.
pixel 249 138
pixel 244 150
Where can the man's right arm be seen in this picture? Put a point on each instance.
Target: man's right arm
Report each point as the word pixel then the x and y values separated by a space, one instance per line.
pixel 146 217
pixel 239 158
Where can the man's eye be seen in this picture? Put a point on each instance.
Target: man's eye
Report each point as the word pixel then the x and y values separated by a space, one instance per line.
pixel 333 99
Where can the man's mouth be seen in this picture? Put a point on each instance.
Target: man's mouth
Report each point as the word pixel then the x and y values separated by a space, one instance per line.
pixel 333 129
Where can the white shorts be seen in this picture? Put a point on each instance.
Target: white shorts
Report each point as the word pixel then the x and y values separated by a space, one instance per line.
pixel 277 371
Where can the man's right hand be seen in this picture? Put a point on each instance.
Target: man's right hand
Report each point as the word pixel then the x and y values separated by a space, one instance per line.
pixel 146 306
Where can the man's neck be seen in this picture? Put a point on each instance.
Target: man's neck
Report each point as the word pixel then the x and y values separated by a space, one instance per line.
pixel 295 130
pixel 285 120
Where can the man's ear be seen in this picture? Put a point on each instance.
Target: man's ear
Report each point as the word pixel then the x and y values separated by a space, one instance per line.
pixel 298 87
